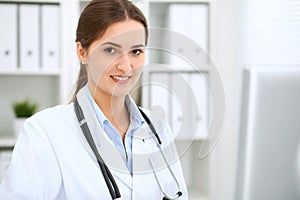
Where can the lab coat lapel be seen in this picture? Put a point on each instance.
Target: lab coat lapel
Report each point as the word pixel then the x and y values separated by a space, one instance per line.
pixel 143 177
pixel 143 145
pixel 141 150
pixel 105 147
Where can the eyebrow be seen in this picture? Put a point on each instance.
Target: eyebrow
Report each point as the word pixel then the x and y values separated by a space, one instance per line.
pixel 137 46
pixel 111 43
pixel 119 46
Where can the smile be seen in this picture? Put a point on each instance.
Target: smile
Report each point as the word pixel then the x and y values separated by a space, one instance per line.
pixel 120 79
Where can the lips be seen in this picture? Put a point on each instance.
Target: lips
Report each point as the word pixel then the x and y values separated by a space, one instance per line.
pixel 120 79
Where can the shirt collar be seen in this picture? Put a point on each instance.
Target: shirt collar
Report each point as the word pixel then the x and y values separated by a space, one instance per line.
pixel 136 118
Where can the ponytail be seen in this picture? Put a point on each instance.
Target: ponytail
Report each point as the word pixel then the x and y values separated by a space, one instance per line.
pixel 81 81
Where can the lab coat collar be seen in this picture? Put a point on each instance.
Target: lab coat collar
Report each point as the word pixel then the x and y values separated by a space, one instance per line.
pixel 104 145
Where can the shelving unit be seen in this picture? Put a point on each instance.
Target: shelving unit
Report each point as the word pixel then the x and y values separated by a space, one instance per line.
pixel 7 143
pixel 50 81
pixel 177 78
pixel 30 56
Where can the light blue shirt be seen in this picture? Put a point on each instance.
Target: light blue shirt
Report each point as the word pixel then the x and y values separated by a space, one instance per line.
pixel 136 121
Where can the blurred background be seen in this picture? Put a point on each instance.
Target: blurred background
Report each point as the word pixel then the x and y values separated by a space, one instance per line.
pixel 218 68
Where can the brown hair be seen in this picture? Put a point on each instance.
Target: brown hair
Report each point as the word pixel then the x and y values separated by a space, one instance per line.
pixel 96 17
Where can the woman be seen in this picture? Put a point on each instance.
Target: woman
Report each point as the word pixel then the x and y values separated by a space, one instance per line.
pixel 70 151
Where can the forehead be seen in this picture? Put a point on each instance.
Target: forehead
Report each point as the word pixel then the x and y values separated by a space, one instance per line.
pixel 129 32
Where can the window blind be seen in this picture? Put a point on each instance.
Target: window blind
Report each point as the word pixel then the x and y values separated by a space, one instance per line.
pixel 269 31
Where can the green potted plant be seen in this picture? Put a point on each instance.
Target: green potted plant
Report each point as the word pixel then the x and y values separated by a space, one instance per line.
pixel 22 110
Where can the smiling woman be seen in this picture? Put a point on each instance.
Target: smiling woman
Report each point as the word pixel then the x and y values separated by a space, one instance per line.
pixel 114 63
pixel 116 153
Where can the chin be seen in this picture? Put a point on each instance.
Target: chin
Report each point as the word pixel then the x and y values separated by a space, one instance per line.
pixel 120 93
pixel 121 90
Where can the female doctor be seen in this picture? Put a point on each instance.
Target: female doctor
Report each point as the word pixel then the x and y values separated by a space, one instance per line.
pixel 100 146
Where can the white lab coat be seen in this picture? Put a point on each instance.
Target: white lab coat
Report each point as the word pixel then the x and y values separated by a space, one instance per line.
pixel 52 160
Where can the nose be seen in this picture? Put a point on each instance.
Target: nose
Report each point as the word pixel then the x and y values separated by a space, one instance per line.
pixel 124 63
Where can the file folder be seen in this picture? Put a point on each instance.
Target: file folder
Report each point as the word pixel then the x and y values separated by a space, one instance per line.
pixel 29 37
pixel 50 37
pixel 8 37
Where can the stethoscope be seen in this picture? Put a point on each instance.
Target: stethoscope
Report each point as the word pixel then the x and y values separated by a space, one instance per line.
pixel 109 179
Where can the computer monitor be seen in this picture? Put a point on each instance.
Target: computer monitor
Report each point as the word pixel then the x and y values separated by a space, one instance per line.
pixel 269 148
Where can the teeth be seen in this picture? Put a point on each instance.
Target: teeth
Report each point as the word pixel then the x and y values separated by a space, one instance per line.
pixel 120 78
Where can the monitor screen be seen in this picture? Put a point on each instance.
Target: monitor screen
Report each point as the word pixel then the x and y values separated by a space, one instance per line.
pixel 269 145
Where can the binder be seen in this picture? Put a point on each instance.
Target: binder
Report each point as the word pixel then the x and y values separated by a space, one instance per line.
pixel 8 37
pixel 199 29
pixel 178 19
pixel 29 37
pixel 198 26
pixel 50 37
pixel 180 101
pixel 200 115
pixel 159 94
pixel 192 22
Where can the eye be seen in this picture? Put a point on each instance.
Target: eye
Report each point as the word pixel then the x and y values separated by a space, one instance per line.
pixel 110 50
pixel 136 51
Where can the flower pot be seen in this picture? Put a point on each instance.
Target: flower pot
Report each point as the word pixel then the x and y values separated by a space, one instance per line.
pixel 18 125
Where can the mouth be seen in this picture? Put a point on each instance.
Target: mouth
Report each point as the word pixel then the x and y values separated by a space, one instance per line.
pixel 120 79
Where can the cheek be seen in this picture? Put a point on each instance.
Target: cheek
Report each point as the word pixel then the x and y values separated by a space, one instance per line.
pixel 138 62
pixel 98 67
pixel 137 66
pixel 98 63
pixel 138 70
pixel 95 73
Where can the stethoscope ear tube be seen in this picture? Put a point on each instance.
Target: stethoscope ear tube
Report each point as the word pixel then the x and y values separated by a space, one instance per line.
pixel 150 125
pixel 109 179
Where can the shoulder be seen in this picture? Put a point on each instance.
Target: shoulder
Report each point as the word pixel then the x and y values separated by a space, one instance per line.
pixel 53 111
pixel 53 125
pixel 52 116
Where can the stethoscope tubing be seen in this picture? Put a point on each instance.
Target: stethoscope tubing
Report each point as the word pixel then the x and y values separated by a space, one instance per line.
pixel 109 180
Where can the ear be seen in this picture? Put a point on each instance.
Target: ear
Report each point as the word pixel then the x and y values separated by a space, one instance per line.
pixel 81 52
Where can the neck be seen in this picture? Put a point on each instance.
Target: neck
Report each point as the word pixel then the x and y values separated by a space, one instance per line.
pixel 114 109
